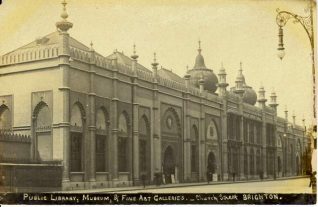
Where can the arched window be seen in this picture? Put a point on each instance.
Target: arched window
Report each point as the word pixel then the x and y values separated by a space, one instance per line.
pixel 5 118
pixel 77 131
pixel 101 140
pixel 212 131
pixel 43 122
pixel 279 141
pixel 123 143
pixel 245 163
pixel 258 162
pixel 144 147
pixel 194 149
pixel 252 170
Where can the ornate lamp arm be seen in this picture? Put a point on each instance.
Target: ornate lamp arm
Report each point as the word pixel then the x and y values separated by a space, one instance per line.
pixel 284 16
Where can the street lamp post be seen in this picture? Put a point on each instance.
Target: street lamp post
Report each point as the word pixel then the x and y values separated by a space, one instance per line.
pixel 307 23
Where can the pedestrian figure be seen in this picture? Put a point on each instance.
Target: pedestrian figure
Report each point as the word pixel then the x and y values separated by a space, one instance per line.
pixel 313 181
pixel 143 180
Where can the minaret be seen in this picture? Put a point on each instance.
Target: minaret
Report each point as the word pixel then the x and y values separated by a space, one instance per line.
pixel 273 102
pixel 294 119
pixel 134 62
pixel 222 81
pixel 286 114
pixel 261 100
pixel 155 67
pixel 304 123
pixel 187 78
pixel 239 82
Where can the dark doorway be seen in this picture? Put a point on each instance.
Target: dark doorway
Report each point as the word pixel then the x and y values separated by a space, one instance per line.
pixel 279 165
pixel 169 165
pixel 211 168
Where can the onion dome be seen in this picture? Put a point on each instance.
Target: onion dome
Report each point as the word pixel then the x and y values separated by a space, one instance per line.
pixel 248 93
pixel 200 70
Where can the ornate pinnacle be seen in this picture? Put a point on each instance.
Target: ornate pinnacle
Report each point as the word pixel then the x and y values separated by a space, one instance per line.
pixel 134 56
pixel 154 64
pixel 64 25
pixel 199 46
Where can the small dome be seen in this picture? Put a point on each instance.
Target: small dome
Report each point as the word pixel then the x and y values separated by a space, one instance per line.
pixel 200 70
pixel 249 95
pixel 199 62
pixel 210 79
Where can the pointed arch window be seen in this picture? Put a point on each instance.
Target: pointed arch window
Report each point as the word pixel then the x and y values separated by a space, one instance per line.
pixel 101 140
pixel 194 148
pixel 212 131
pixel 5 118
pixel 123 143
pixel 43 123
pixel 252 170
pixel 77 132
pixel 144 147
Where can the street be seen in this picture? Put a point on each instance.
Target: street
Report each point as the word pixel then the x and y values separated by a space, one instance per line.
pixel 279 186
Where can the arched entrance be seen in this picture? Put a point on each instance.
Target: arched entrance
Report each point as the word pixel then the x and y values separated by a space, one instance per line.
pixel 279 166
pixel 169 165
pixel 297 165
pixel 211 167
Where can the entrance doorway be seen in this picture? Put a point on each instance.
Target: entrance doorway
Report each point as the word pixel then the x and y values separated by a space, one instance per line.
pixel 169 165
pixel 211 168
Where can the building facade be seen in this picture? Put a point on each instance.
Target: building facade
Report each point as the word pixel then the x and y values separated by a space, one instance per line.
pixel 112 122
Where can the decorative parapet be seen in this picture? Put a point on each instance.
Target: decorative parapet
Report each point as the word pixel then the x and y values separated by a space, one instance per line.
pixel 84 56
pixel 9 136
pixel 29 55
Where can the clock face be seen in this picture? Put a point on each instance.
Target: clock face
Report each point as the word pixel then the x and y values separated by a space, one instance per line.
pixel 169 122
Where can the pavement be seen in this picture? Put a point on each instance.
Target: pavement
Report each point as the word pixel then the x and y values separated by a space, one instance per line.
pixel 150 188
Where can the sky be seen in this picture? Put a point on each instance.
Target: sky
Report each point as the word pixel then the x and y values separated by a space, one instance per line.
pixel 231 31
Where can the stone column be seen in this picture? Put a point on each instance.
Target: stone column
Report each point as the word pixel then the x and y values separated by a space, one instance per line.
pixel 64 64
pixel 114 126
pixel 135 144
pixel 156 125
pixel 186 142
pixel 264 145
pixel 202 145
pixel 92 118
pixel 223 141
pixel 135 150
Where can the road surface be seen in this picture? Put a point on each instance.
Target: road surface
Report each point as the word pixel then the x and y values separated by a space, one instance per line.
pixel 280 186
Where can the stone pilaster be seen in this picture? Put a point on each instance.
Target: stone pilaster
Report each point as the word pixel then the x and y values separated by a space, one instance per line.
pixel 64 64
pixel 114 121
pixel 92 119
pixel 135 122
pixel 223 147
pixel 156 125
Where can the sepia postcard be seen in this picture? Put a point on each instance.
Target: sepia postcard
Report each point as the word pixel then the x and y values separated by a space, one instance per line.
pixel 158 102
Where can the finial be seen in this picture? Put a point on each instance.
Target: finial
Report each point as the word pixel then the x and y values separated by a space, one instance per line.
pixel 64 25
pixel 155 64
pixel 222 65
pixel 91 44
pixel 134 56
pixel 64 14
pixel 187 68
pixel 286 108
pixel 199 46
pixel 241 66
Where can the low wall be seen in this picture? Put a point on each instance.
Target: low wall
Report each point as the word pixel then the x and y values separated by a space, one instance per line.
pixel 30 177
